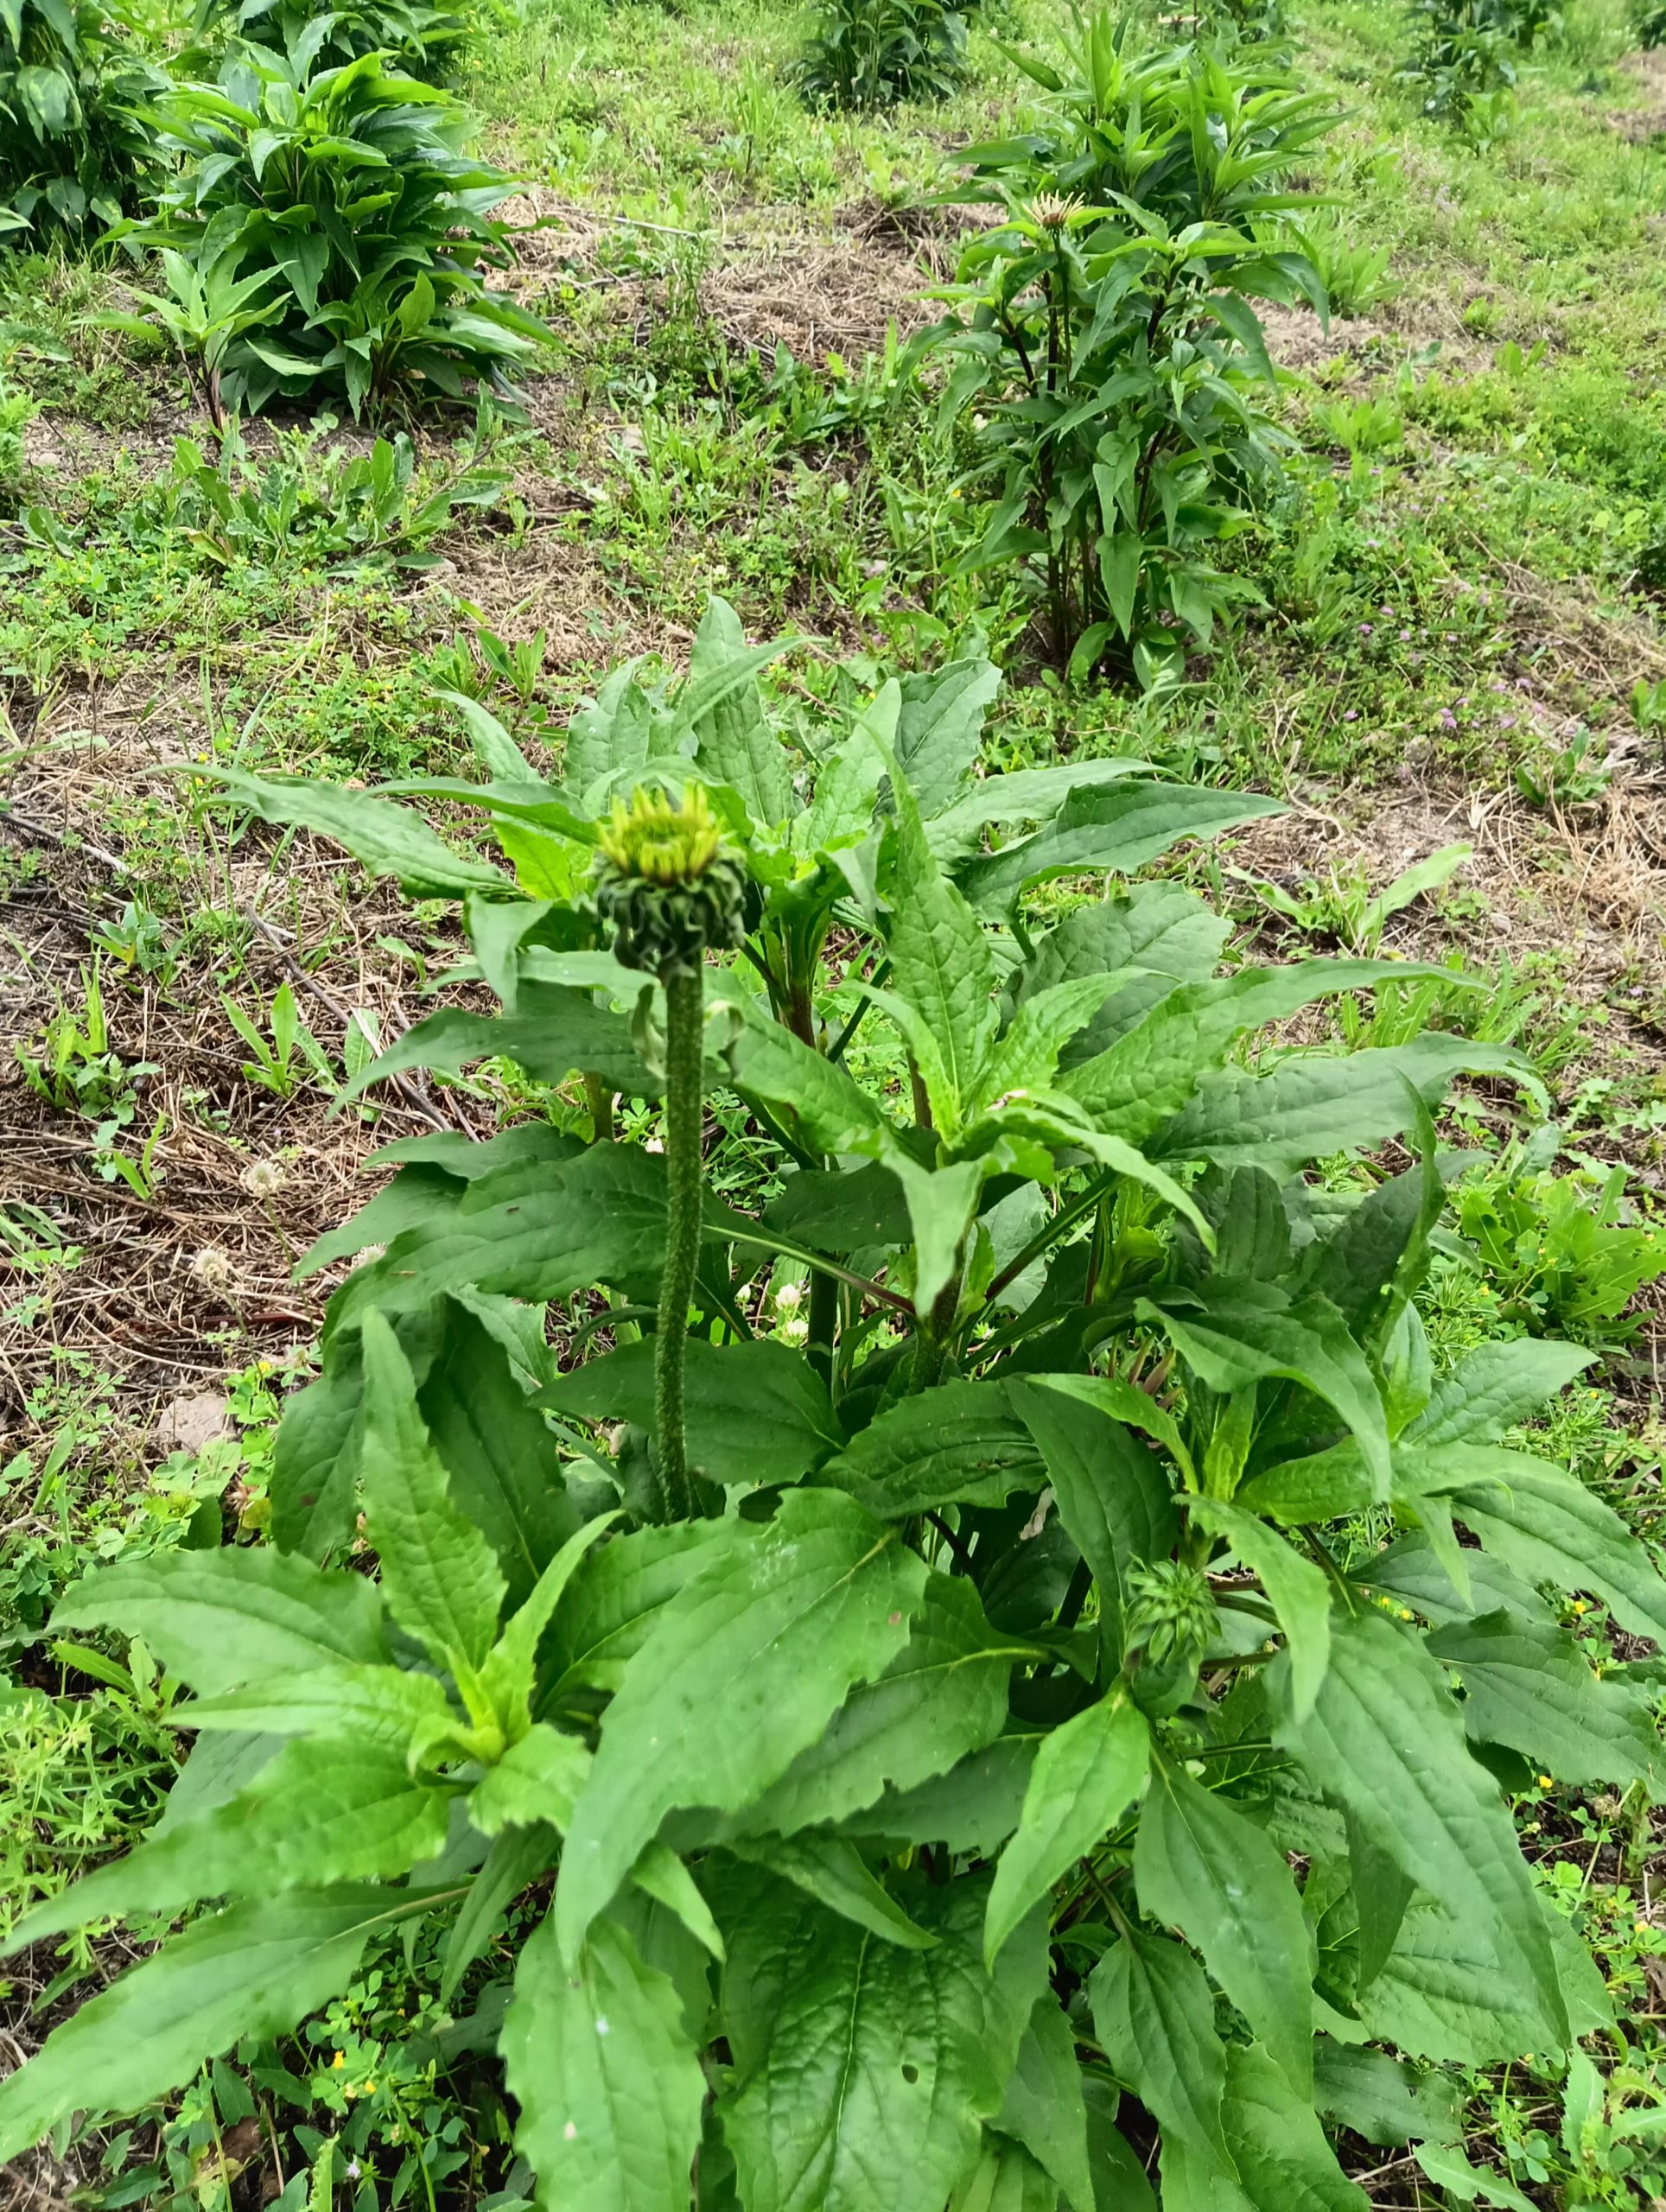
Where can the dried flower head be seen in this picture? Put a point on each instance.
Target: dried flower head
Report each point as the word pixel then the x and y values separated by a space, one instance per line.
pixel 1051 209
pixel 263 1178
pixel 212 1268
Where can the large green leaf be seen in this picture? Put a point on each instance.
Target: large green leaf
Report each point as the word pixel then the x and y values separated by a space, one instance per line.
pixel 755 1413
pixel 1120 826
pixel 941 965
pixel 376 1705
pixel 1023 795
pixel 1149 1073
pixel 1297 1590
pixel 609 2086
pixel 1156 927
pixel 255 1970
pixel 1386 1741
pixel 1086 1775
pixel 1445 1993
pixel 554 1031
pixel 499 1457
pixel 830 1869
pixel 972 1807
pixel 736 745
pixel 1525 1685
pixel 834 1113
pixel 218 1620
pixel 1320 1103
pixel 535 1783
pixel 389 839
pixel 1113 1495
pixel 509 1675
pixel 940 721
pixel 618 1593
pixel 1155 2017
pixel 864 2072
pixel 742 1673
pixel 1205 1869
pixel 1494 1387
pixel 1044 2108
pixel 442 1582
pixel 1545 1523
pixel 961 1442
pixel 318 1813
pixel 1241 1334
pixel 1284 2162
pixel 944 1695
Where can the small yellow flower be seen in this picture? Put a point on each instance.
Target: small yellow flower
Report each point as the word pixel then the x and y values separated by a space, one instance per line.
pixel 1544 1782
pixel 339 2059
pixel 1579 1605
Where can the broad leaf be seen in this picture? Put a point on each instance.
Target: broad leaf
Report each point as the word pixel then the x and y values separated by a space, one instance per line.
pixel 944 1695
pixel 1525 1684
pixel 1155 2020
pixel 389 839
pixel 255 1970
pixel 1086 1775
pixel 1120 826
pixel 218 1620
pixel 619 1591
pixel 864 2072
pixel 1549 1528
pixel 1386 1741
pixel 507 1676
pixel 959 1443
pixel 830 1869
pixel 1043 2107
pixel 1493 1388
pixel 442 1582
pixel 1283 2161
pixel 736 745
pixel 1296 1589
pixel 380 1704
pixel 1205 1869
pixel 740 1674
pixel 536 1782
pixel 940 721
pixel 609 2086
pixel 755 1413
pixel 941 965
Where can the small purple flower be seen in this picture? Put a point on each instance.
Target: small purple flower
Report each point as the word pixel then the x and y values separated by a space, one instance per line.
pixel 1364 629
pixel 1449 719
pixel 1506 721
pixel 1404 634
pixel 1352 715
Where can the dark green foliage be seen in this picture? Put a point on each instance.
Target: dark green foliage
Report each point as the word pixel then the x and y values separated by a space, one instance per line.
pixel 867 54
pixel 986 1722
pixel 347 190
pixel 1106 345
pixel 1463 50
pixel 73 148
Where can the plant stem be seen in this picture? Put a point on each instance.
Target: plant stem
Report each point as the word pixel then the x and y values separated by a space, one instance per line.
pixel 684 1012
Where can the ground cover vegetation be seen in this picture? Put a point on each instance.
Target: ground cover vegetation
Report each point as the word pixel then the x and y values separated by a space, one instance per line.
pixel 946 759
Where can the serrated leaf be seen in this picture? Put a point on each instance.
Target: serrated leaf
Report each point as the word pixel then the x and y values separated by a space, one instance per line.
pixel 1525 1685
pixel 940 720
pixel 1155 2017
pixel 1283 2161
pixel 618 1593
pixel 554 1032
pixel 830 1869
pixel 1113 1495
pixel 1121 827
pixel 609 2086
pixel 1385 1740
pixel 768 1062
pixel 864 2072
pixel 740 1674
pixel 961 1441
pixel 1086 1775
pixel 218 1619
pixel 940 959
pixel 442 1584
pixel 755 1413
pixel 509 1670
pixel 1202 1867
pixel 1296 1589
pixel 254 1970
pixel 1545 1523
pixel 1447 2167
pixel 1493 1388
pixel 318 1812
pixel 1239 1336
pixel 943 1696
pixel 388 838
pixel 381 1705
pixel 736 745
pixel 1044 2108
pixel 538 1781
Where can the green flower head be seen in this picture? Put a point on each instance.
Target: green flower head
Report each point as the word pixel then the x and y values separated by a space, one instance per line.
pixel 1171 1610
pixel 667 883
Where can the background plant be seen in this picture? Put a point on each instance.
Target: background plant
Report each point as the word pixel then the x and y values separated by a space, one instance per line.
pixel 73 148
pixel 1106 350
pixel 867 54
pixel 369 292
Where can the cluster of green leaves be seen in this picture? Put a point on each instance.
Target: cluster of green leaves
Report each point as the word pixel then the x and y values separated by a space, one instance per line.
pixel 924 1806
pixel 73 148
pixel 299 508
pixel 869 53
pixel 1559 1254
pixel 1465 52
pixel 1105 346
pixel 329 233
pixel 419 36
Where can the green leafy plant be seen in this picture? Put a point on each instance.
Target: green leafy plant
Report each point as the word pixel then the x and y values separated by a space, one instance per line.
pixel 1356 278
pixel 281 1061
pixel 76 1068
pixel 73 147
pixel 923 1796
pixel 369 291
pixel 348 513
pixel 17 411
pixel 1561 1251
pixel 1105 348
pixel 867 54
pixel 1464 58
pixel 419 36
pixel 1575 773
pixel 1345 907
pixel 1361 426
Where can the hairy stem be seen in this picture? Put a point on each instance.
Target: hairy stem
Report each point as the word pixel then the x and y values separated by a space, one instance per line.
pixel 684 1010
